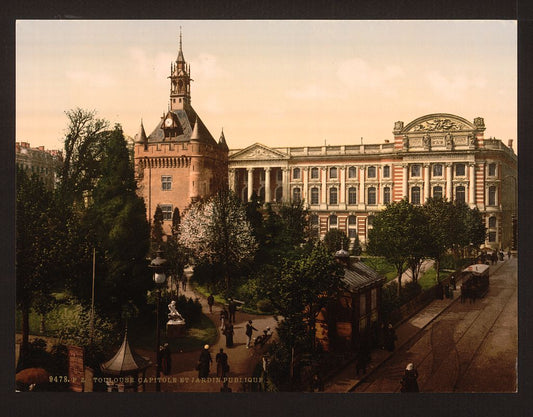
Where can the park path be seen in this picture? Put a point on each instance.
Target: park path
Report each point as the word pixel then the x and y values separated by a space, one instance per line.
pixel 242 361
pixel 407 275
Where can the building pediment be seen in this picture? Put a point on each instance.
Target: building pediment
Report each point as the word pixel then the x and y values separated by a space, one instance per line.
pixel 258 152
pixel 439 122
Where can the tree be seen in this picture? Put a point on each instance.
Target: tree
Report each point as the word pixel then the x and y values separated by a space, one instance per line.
pixel 304 286
pixel 84 146
pixel 356 247
pixel 217 232
pixel 335 240
pixel 157 230
pixel 34 247
pixel 119 229
pixel 175 253
pixel 395 235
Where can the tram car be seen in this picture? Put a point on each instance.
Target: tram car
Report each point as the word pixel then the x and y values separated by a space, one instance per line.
pixel 475 281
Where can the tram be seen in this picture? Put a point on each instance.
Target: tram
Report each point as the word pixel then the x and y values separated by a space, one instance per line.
pixel 475 281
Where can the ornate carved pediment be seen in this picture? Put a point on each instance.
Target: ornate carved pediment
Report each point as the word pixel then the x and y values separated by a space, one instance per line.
pixel 258 151
pixel 439 122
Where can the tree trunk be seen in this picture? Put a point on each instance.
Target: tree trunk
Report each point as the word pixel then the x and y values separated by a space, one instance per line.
pixel 400 273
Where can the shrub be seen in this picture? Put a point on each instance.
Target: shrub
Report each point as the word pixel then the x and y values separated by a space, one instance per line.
pixel 190 309
pixel 265 306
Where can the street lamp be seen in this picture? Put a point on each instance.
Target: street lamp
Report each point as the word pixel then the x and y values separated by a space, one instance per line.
pixel 158 267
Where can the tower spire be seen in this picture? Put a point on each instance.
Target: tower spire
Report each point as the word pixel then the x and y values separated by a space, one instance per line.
pixel 180 81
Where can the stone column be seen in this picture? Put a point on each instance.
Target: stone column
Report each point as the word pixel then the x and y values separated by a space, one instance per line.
pixel 231 179
pixel 267 185
pixel 380 187
pixel 305 173
pixel 472 184
pixel 250 182
pixel 426 183
pixel 405 173
pixel 342 191
pixel 449 194
pixel 362 198
pixel 285 184
pixel 323 191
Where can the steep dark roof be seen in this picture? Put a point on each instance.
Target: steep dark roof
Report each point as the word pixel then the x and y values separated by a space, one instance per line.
pixel 359 276
pixel 187 119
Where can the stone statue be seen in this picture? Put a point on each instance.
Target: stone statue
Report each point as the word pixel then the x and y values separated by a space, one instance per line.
pixel 405 142
pixel 174 314
pixel 471 139
pixel 449 140
pixel 426 139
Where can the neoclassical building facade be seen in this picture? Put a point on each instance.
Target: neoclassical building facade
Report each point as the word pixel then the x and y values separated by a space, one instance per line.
pixel 344 186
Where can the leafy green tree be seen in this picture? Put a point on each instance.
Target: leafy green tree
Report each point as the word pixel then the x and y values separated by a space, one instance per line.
pixel 84 147
pixel 175 253
pixel 120 231
pixel 420 239
pixel 356 247
pixel 335 240
pixel 395 235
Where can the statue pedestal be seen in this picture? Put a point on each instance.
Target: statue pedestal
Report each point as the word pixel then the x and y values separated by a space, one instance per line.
pixel 176 328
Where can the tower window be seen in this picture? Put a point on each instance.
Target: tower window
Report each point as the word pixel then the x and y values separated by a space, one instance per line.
pixel 167 211
pixel 166 182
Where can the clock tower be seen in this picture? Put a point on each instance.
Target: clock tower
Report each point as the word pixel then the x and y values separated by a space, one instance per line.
pixel 180 82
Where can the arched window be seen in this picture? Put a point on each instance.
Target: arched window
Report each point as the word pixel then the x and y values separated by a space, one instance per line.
pixel 492 222
pixel 352 172
pixel 437 170
pixel 437 191
pixel 352 195
pixel 460 170
pixel 332 221
pixel 333 172
pixel 314 173
pixel 314 195
pixel 492 195
pixel 386 195
pixel 333 195
pixel 352 220
pixel 415 195
pixel 296 173
pixel 460 194
pixel 371 172
pixel 371 195
pixel 386 171
pixel 296 195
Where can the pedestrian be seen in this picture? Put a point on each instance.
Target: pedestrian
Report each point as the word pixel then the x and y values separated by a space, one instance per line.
pixel 184 282
pixel 166 360
pixel 232 307
pixel 509 254
pixel 409 380
pixel 390 338
pixel 228 332
pixel 204 363
pixel 210 302
pixel 223 319
pixel 249 332
pixel 225 387
pixel 222 364
pixel 501 255
pixel 453 282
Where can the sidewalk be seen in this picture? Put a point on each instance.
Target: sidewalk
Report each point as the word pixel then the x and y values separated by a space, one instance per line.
pixel 347 379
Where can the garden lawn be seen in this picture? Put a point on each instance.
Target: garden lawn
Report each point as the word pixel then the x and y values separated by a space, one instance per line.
pixel 381 266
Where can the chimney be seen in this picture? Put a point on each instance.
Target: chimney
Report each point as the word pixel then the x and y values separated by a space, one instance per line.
pixel 510 143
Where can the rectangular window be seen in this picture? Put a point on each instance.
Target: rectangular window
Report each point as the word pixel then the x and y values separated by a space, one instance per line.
pixel 492 236
pixel 314 195
pixel 167 211
pixel 166 182
pixel 460 170
pixel 333 172
pixel 352 172
pixel 386 171
pixel 314 173
pixel 352 195
pixel 415 170
pixel 371 172
pixel 437 170
pixel 352 233
pixel 492 170
pixel 386 195
pixel 371 197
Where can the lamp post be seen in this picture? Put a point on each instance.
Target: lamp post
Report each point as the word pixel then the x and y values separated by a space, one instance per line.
pixel 158 267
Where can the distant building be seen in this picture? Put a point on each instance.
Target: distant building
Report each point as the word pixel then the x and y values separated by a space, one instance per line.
pixel 344 186
pixel 179 162
pixel 40 161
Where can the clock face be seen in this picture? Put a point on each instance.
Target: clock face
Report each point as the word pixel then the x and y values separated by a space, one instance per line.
pixel 168 122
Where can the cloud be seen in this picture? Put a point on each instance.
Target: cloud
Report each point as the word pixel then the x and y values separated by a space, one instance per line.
pixel 309 92
pixel 358 74
pixel 91 78
pixel 206 67
pixel 453 87
pixel 155 67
